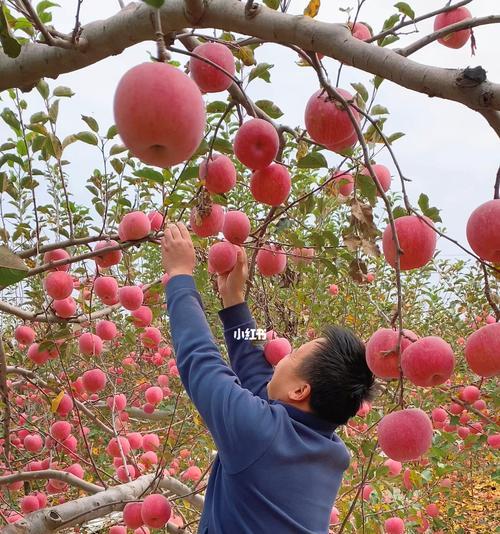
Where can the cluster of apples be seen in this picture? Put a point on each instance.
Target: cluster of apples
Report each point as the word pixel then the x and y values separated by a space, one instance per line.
pixel 426 362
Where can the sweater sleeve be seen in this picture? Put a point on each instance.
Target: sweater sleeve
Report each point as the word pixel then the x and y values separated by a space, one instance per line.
pixel 246 356
pixel 242 424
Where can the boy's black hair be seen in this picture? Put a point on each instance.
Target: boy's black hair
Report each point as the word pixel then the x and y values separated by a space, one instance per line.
pixel 338 374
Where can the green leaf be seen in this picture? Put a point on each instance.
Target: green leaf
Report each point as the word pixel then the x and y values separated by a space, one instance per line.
pixel 399 211
pixel 53 146
pixel 202 149
pixel 361 90
pixel 117 165
pixel 7 146
pixel 379 110
pixel 9 117
pixel 313 160
pixel 43 88
pixel 87 137
pixel 112 131
pixel 270 108
pixel 154 3
pixel 12 268
pixel 367 187
pixel 389 39
pixel 150 174
pixel 44 5
pixel 117 149
pixel 222 145
pixel 393 137
pixel 10 157
pixel 39 116
pixel 391 22
pixel 423 202
pixel 61 90
pixel 54 111
pixel 404 8
pixel 68 140
pixel 261 71
pixel 428 211
pixel 189 173
pixel 216 107
pixel 9 44
pixel 377 81
pixel 273 4
pixel 91 122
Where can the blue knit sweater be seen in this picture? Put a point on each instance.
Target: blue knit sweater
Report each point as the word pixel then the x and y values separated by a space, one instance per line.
pixel 278 469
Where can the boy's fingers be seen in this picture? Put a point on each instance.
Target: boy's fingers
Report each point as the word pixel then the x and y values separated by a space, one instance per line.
pixel 167 236
pixel 184 231
pixel 174 231
pixel 242 255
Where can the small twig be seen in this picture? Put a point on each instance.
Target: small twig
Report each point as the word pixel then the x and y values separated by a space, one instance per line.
pixel 38 23
pixel 474 410
pixel 487 292
pixel 496 189
pixel 76 29
pixel 218 67
pixel 447 30
pixel 5 396
pixel 163 54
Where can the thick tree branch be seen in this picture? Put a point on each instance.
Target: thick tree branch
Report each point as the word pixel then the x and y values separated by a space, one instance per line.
pixel 100 504
pixel 133 25
pixel 194 10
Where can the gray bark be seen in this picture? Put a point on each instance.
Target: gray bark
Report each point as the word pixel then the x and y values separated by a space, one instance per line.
pixel 134 24
pixel 76 512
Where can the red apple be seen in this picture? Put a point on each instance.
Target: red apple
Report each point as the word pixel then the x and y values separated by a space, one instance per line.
pixel 405 434
pixel 159 113
pixel 483 231
pixel 417 240
pixel 456 39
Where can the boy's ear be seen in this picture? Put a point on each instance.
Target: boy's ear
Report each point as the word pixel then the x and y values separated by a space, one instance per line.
pixel 302 393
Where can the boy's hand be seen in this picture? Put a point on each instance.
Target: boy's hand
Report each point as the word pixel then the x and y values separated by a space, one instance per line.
pixel 177 251
pixel 232 285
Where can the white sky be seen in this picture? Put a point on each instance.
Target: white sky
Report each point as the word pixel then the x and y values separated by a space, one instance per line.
pixel 449 151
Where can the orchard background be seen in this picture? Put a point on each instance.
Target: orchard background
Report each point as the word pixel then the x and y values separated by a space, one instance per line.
pixel 67 181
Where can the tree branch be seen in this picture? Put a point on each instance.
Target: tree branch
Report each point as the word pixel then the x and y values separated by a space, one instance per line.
pixel 464 24
pixel 35 378
pixel 98 505
pixel 194 10
pixel 46 474
pixel 496 193
pixel 5 397
pixel 133 25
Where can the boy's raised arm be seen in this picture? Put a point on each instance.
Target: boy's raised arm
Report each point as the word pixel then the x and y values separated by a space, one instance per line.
pixel 241 423
pixel 240 331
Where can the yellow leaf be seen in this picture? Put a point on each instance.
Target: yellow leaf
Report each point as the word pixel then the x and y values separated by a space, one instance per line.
pixel 312 8
pixel 55 403
pixel 302 149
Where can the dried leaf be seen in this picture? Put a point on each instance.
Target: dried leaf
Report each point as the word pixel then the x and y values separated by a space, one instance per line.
pixel 312 8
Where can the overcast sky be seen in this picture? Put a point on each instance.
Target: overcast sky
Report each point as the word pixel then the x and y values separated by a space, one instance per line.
pixel 449 151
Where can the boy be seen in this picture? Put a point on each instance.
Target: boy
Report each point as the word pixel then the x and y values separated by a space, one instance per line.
pixel 279 463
